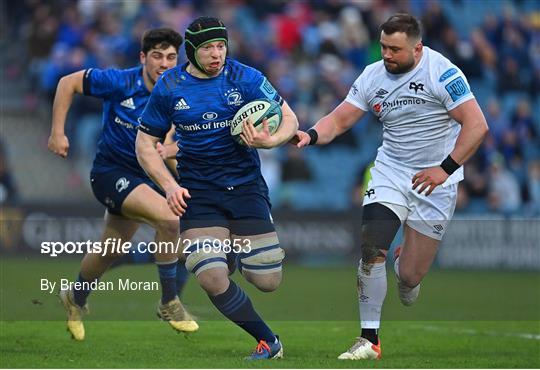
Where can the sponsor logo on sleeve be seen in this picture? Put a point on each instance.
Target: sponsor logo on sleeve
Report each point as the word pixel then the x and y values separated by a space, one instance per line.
pixel 447 74
pixel 457 88
pixel 267 89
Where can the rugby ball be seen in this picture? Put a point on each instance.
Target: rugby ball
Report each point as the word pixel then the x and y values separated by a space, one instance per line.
pixel 257 110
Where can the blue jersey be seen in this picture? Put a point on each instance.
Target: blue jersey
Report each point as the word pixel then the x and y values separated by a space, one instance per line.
pixel 202 111
pixel 124 97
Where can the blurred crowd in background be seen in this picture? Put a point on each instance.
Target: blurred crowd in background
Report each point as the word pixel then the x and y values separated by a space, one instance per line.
pixel 311 51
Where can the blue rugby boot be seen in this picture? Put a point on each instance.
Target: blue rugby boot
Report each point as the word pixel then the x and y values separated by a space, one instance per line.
pixel 267 351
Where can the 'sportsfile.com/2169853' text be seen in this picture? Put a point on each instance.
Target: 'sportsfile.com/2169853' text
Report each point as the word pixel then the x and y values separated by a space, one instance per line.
pixel 117 246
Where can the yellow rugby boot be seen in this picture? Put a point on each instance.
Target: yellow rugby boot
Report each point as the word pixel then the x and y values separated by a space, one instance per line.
pixel 177 316
pixel 74 314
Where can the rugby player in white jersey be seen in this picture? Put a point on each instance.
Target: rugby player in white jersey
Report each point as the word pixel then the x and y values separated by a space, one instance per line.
pixel 431 125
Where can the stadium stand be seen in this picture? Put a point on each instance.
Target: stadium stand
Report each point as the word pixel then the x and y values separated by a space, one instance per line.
pixel 311 51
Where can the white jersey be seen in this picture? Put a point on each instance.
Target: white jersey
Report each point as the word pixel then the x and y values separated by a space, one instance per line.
pixel 413 107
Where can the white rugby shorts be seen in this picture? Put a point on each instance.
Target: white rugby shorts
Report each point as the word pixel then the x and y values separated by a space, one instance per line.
pixel 428 215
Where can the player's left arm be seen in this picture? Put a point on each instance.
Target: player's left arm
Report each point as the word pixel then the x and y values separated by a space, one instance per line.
pixel 263 139
pixel 474 129
pixel 168 151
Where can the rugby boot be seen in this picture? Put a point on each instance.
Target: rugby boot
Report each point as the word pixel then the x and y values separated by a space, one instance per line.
pixel 177 316
pixel 362 349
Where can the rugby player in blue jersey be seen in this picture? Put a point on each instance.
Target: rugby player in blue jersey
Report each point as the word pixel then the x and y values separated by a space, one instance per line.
pixel 221 195
pixel 117 179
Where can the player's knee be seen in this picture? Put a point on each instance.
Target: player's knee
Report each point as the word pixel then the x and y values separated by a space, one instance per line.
pixel 264 282
pixel 264 258
pixel 214 281
pixel 371 253
pixel 169 228
pixel 379 226
pixel 268 286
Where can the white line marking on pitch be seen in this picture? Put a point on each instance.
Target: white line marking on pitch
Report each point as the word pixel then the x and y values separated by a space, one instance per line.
pixel 479 332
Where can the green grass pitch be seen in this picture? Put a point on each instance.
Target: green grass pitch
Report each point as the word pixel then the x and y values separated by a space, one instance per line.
pixel 462 319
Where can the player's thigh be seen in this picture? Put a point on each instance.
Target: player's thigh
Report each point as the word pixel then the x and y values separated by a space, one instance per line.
pixel 119 227
pixel 206 258
pixel 386 185
pixel 430 215
pixel 259 254
pixel 146 205
pixel 203 249
pixel 112 187
pixel 259 258
pixel 417 254
pixel 385 209
pixel 116 228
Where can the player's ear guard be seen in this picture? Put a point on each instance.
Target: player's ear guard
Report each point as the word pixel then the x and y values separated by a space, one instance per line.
pixel 201 31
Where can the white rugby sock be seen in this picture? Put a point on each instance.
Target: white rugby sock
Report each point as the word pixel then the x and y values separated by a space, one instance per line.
pixel 371 294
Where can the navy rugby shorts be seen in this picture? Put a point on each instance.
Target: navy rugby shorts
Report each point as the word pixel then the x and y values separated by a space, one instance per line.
pixel 112 187
pixel 244 210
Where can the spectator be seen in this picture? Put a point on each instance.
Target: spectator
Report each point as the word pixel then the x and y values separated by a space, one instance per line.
pixel 295 168
pixel 504 191
pixel 534 188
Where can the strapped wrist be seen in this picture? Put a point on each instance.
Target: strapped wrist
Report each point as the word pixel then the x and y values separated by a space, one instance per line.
pixel 449 165
pixel 314 136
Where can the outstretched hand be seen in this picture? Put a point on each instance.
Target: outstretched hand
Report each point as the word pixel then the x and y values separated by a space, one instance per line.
pixel 300 139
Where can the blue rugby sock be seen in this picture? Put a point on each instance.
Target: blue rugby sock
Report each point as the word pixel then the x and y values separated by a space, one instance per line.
pixel 237 307
pixel 80 295
pixel 167 277
pixel 182 276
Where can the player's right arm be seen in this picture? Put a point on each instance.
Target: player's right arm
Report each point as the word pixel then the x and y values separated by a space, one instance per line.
pixel 341 119
pixel 67 87
pixel 155 124
pixel 151 161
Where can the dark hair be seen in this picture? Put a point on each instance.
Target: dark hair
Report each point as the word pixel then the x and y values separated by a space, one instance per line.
pixel 160 38
pixel 403 22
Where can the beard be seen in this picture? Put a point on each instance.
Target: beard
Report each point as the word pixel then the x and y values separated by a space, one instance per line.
pixel 397 68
